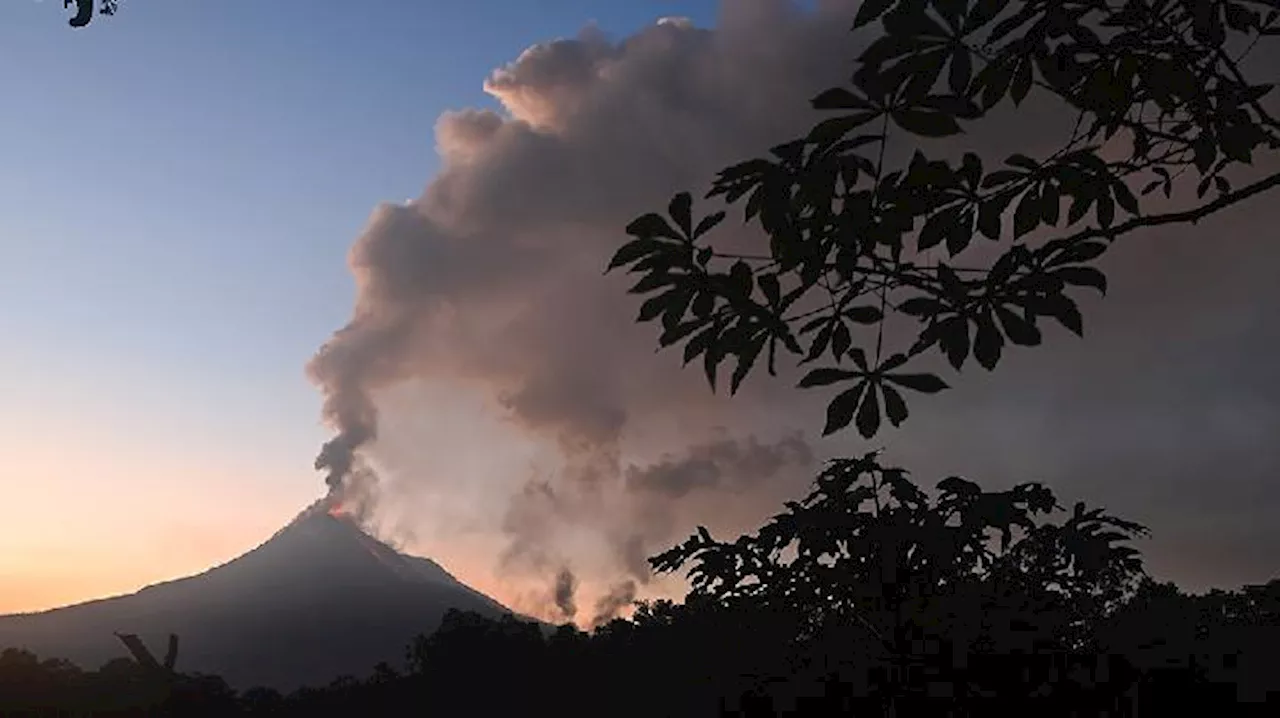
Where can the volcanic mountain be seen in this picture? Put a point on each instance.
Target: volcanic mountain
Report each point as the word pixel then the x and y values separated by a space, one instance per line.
pixel 320 599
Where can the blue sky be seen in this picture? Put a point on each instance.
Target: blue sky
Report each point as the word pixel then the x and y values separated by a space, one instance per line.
pixel 222 156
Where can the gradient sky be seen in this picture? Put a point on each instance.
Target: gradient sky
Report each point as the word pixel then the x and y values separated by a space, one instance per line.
pixel 154 414
pixel 155 418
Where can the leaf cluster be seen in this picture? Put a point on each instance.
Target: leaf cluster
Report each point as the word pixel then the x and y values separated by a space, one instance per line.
pixel 855 242
pixel 869 546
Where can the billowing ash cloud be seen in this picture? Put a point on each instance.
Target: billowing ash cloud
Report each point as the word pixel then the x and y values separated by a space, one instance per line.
pixel 494 275
pixel 618 598
pixel 709 466
pixel 490 282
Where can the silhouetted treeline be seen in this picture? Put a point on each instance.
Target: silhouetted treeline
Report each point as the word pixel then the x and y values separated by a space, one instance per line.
pixel 1162 651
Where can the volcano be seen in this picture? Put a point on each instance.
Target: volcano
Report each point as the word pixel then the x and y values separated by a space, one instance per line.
pixel 318 600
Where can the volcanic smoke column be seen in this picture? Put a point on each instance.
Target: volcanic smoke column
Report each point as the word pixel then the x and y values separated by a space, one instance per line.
pixel 355 359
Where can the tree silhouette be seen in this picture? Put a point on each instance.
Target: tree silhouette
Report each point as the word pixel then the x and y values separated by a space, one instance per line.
pixel 869 577
pixel 1159 100
pixel 868 566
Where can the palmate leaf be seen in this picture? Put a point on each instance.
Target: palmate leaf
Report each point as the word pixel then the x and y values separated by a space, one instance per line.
pixel 841 410
pixel 924 383
pixel 681 211
pixel 650 226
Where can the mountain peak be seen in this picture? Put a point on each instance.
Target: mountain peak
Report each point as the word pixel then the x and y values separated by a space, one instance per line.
pixel 321 597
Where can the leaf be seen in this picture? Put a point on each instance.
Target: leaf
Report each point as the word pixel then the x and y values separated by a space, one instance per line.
pixel 840 410
pixel 651 225
pixel 954 340
pixel 1027 216
pixel 699 344
pixel 710 363
pixel 1019 330
pixel 823 377
pixel 1083 277
pixel 657 305
pixel 1021 84
pixel 926 124
pixel 894 407
pixel 983 12
pixel 988 343
pixel 920 307
pixel 650 282
pixel 819 344
pixel 1106 212
pixel 680 209
pixel 675 312
pixel 989 214
pixel 840 340
pixel 870 11
pixel 633 250
pixel 936 228
pixel 865 314
pixel 746 360
pixel 961 233
pixel 740 275
pixel 678 331
pixel 832 129
pixel 708 223
pixel 1124 197
pixel 1050 204
pixel 1063 309
pixel 923 383
pixel 838 98
pixel 995 79
pixel 961 72
pixel 704 304
pixel 772 291
pixel 869 412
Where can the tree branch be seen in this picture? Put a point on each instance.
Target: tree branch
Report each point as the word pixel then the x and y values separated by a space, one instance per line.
pixel 1192 215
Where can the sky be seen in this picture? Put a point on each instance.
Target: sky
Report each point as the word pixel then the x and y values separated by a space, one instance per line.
pixel 245 176
pixel 225 155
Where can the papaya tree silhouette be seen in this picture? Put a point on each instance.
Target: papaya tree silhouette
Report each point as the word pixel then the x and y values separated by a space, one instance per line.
pixel 1160 102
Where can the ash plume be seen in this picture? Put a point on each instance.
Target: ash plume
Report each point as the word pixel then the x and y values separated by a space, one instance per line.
pixel 563 595
pixel 493 273
pixel 491 280
pixel 610 605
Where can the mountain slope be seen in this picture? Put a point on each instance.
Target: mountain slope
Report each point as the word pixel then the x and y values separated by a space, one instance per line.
pixel 319 599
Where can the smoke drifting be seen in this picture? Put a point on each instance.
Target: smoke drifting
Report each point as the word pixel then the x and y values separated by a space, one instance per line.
pixel 565 588
pixel 493 277
pixel 612 603
pixel 490 283
pixel 709 466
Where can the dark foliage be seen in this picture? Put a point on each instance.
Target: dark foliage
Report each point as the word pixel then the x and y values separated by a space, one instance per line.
pixel 869 597
pixel 84 10
pixel 970 253
pixel 1159 652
